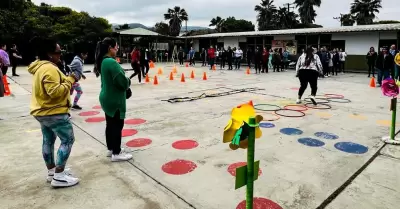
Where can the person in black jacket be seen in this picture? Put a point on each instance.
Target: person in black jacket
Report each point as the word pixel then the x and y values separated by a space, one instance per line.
pixel 336 61
pixel 384 64
pixel 145 57
pixel 371 59
pixel 229 57
pixel 257 60
pixel 249 56
pixel 223 58
pixel 203 56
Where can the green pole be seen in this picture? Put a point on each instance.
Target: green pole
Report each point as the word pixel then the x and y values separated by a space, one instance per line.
pixel 250 163
pixel 393 126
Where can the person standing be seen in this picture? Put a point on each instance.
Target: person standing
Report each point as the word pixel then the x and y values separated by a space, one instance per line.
pixel 211 56
pixel 135 64
pixel 5 59
pixel 336 61
pixel 270 58
pixel 181 56
pixel 384 65
pixel 371 59
pixel 265 58
pixel 229 57
pixel 223 58
pixel 308 68
pixel 50 104
pixel 192 52
pixel 249 57
pixel 276 60
pixel 76 67
pixel 393 51
pixel 14 59
pixel 257 60
pixel 238 58
pixel 203 56
pixel 114 85
pixel 285 55
pixel 144 61
pixel 342 56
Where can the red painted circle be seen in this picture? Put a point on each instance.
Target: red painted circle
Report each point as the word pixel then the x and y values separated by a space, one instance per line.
pixel 232 168
pixel 129 132
pixel 260 203
pixel 95 119
pixel 140 142
pixel 179 167
pixel 97 107
pixel 300 108
pixel 89 113
pixel 295 88
pixel 185 144
pixel 334 96
pixel 135 121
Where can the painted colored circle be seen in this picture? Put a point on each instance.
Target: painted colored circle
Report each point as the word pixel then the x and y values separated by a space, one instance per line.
pixel 129 132
pixel 179 167
pixel 291 131
pixel 339 100
pixel 267 125
pixel 323 114
pixel 319 106
pixel 351 147
pixel 185 144
pixel 135 121
pixel 97 107
pixel 95 119
pixel 232 168
pixel 273 117
pixel 326 135
pixel 89 113
pixel 311 142
pixel 317 100
pixel 139 142
pixel 296 107
pixel 266 107
pixel 334 96
pixel 260 203
pixel 295 88
pixel 290 113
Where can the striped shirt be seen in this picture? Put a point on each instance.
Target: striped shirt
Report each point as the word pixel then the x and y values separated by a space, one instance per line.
pixel 314 65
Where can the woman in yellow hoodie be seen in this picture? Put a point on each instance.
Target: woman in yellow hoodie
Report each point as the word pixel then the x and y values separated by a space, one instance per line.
pixel 50 104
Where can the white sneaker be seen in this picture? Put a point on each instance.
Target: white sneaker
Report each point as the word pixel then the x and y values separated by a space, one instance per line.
pixel 121 157
pixel 50 173
pixel 64 180
pixel 109 152
pixel 298 101
pixel 312 98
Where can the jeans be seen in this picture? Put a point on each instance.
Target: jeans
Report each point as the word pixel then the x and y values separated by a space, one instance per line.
pixel 145 68
pixel 382 75
pixel 114 126
pixel 308 76
pixel 238 61
pixel 137 71
pixel 53 126
pixel 76 87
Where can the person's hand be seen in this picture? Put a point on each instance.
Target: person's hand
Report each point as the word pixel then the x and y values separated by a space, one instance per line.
pixel 72 75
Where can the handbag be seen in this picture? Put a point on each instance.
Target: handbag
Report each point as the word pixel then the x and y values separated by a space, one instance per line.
pixel 128 93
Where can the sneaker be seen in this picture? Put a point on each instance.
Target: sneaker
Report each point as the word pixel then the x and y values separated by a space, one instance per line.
pixel 121 157
pixel 50 173
pixel 69 116
pixel 109 152
pixel 15 75
pixel 298 101
pixel 63 179
pixel 312 98
pixel 76 107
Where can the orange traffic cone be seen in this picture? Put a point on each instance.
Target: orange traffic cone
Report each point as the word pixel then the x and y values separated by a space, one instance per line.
pixel 155 80
pixel 204 76
pixel 183 78
pixel 160 72
pixel 171 76
pixel 151 65
pixel 214 67
pixel 174 70
pixel 248 71
pixel 7 91
pixel 147 78
pixel 192 75
pixel 372 83
pixel 187 65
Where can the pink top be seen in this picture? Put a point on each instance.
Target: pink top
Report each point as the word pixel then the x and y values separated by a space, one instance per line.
pixel 4 59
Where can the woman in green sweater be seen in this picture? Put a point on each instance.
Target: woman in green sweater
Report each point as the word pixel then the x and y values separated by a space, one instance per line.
pixel 114 85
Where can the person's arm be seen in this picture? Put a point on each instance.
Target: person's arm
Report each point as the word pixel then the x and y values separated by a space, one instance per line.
pixel 319 64
pixel 118 76
pixel 298 65
pixel 52 85
pixel 16 56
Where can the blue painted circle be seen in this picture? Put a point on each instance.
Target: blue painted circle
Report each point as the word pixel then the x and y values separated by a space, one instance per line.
pixel 291 131
pixel 311 142
pixel 326 135
pixel 267 125
pixel 351 147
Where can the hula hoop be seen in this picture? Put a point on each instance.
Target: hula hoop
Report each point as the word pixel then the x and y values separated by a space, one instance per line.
pixel 312 106
pixel 324 101
pixel 287 107
pixel 302 114
pixel 274 119
pixel 339 100
pixel 268 105
pixel 334 96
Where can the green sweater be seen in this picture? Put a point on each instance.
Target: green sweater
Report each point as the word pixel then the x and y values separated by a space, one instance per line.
pixel 114 84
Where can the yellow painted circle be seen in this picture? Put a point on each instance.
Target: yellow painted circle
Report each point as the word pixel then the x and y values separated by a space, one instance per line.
pixel 358 117
pixel 324 114
pixel 385 123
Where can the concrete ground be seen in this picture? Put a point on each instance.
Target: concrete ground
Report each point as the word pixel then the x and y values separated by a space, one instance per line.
pixel 346 166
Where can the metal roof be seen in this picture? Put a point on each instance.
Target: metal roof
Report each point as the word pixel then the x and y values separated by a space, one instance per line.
pixel 139 32
pixel 358 28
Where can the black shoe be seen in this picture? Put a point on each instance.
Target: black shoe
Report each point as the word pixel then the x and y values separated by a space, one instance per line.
pixel 77 107
pixel 15 75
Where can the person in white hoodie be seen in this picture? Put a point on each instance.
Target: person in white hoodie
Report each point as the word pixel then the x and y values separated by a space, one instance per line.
pixel 308 68
pixel 342 57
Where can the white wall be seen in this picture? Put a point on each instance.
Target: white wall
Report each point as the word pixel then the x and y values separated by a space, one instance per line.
pixel 231 41
pixel 358 43
pixel 196 46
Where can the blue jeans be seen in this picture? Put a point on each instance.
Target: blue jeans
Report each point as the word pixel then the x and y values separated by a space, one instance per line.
pixel 53 126
pixel 382 75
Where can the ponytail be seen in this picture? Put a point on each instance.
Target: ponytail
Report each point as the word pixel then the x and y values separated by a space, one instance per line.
pixel 309 56
pixel 101 51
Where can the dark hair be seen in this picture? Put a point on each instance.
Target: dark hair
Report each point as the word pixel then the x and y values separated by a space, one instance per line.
pixel 43 46
pixel 309 55
pixel 101 50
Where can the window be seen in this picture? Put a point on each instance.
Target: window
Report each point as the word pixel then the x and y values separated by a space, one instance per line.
pixel 312 40
pixel 301 39
pixel 339 44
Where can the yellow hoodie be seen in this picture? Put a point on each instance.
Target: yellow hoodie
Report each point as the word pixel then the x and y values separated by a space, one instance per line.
pixel 397 59
pixel 50 89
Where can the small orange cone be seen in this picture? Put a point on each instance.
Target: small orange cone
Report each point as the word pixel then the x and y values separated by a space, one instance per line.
pixel 147 78
pixel 187 65
pixel 174 70
pixel 251 103
pixel 248 71
pixel 155 80
pixel 372 83
pixel 214 67
pixel 183 78
pixel 151 65
pixel 192 75
pixel 7 91
pixel 204 76
pixel 171 76
pixel 160 72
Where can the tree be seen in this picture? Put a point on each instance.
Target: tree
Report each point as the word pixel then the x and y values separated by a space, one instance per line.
pixel 266 13
pixel 364 10
pixel 175 17
pixel 123 27
pixel 218 22
pixel 233 25
pixel 307 11
pixel 161 28
pixel 347 20
pixel 285 19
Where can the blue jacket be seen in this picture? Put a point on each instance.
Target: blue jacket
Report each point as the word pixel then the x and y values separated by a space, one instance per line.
pixel 76 67
pixel 191 53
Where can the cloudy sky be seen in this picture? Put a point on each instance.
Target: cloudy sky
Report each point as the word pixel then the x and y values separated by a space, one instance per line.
pixel 148 12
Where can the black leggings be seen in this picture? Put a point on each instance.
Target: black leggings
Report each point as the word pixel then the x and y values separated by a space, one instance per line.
pixel 4 70
pixel 114 126
pixel 181 61
pixel 308 76
pixel 145 68
pixel 137 71
pixel 371 68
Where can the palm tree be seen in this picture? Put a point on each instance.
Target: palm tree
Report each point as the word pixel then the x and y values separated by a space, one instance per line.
pixel 285 19
pixel 365 10
pixel 266 12
pixel 175 17
pixel 347 20
pixel 218 22
pixel 306 10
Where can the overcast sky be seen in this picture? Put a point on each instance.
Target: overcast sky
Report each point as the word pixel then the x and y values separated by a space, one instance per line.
pixel 148 12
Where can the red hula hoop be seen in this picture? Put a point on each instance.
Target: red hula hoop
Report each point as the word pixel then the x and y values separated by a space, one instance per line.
pixel 287 107
pixel 334 96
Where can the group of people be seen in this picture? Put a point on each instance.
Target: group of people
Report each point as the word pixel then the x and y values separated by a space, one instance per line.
pixel 140 60
pixel 386 63
pixel 8 59
pixel 333 61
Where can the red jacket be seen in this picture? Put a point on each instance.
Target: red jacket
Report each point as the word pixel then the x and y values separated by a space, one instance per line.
pixel 211 53
pixel 265 56
pixel 135 56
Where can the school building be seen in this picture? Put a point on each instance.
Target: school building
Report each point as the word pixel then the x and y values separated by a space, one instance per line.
pixel 355 40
